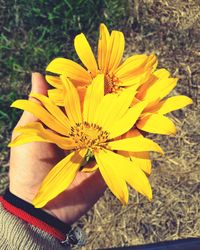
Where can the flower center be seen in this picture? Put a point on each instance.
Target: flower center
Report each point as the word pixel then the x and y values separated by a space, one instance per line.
pixel 111 84
pixel 88 135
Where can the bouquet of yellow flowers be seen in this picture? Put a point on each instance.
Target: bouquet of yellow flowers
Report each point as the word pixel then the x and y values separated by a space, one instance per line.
pixel 97 115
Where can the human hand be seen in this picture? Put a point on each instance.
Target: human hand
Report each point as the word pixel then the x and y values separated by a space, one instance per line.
pixel 30 163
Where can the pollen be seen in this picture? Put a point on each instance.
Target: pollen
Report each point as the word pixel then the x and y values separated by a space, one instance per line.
pixel 111 84
pixel 88 135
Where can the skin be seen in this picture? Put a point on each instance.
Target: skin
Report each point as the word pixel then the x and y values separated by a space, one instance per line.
pixel 30 163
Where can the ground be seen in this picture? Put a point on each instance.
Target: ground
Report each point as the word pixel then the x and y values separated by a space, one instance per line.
pixel 170 29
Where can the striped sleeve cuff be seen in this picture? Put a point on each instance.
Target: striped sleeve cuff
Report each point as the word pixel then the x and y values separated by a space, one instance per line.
pixel 34 216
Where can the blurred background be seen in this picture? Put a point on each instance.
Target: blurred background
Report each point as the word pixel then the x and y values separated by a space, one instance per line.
pixel 32 33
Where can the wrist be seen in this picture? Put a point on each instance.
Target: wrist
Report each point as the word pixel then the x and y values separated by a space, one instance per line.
pixel 37 217
pixel 42 220
pixel 28 197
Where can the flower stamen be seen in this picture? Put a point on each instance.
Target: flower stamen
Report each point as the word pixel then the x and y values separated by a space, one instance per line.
pixel 111 84
pixel 88 135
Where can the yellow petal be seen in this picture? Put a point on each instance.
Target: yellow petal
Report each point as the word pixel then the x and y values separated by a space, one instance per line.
pixel 41 114
pixel 170 104
pixel 146 85
pixel 162 73
pixel 59 178
pixel 135 144
pixel 140 75
pixel 72 101
pixel 53 109
pixel 158 74
pixel 134 64
pixel 128 171
pixel 23 139
pixel 103 45
pixel 111 111
pixel 116 50
pixel 156 123
pixel 85 53
pixel 93 97
pixel 36 132
pixel 81 91
pixel 70 69
pixel 106 103
pixel 113 179
pixel 54 81
pixel 152 62
pixel 166 90
pixel 159 89
pixel 134 79
pixel 141 159
pixel 137 179
pixel 127 121
pixel 57 96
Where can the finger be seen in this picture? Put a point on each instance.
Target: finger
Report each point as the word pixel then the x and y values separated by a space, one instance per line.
pixel 39 85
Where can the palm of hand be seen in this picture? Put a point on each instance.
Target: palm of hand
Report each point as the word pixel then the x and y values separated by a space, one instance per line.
pixel 30 163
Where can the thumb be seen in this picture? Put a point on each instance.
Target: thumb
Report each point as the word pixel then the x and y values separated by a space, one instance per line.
pixel 39 85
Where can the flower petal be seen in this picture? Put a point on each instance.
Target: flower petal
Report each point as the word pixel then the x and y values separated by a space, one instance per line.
pixel 135 144
pixel 156 123
pixel 133 65
pixel 85 53
pixel 35 132
pixel 141 159
pixel 59 178
pixel 93 97
pixel 158 89
pixel 104 39
pixel 69 68
pixel 113 179
pixel 42 114
pixel 54 81
pixel 162 73
pixel 115 51
pixel 152 62
pixel 56 96
pixel 24 138
pixel 53 109
pixel 135 80
pixel 71 101
pixel 158 74
pixel 114 107
pixel 127 121
pixel 170 104
pixel 127 171
pixel 106 103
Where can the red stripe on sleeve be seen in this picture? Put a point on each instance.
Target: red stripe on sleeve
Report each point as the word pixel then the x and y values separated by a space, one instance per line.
pixel 31 219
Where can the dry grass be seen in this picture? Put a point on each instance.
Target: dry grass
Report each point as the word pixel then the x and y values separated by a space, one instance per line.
pixel 171 30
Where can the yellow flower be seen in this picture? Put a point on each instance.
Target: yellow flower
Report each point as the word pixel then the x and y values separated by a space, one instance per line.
pixel 132 72
pixel 152 118
pixel 91 131
pixel 136 71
